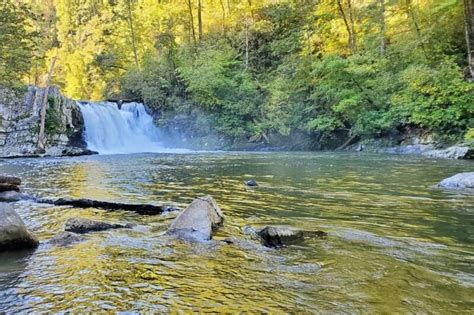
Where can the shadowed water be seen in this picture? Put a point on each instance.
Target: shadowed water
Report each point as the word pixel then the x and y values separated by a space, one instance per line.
pixel 395 243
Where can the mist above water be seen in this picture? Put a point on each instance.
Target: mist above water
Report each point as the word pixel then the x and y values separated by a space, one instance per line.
pixel 129 129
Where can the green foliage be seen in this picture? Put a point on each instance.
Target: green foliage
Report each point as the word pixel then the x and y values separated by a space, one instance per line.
pixel 53 120
pixel 469 136
pixel 16 42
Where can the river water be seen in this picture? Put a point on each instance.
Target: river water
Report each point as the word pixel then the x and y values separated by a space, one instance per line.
pixel 395 244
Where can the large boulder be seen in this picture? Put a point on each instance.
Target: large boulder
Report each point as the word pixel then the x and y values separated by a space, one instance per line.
pixel 279 236
pixel 198 221
pixel 82 226
pixel 454 152
pixel 13 232
pixel 461 180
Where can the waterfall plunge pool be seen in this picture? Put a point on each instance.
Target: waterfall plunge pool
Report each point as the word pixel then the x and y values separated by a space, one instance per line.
pixel 395 244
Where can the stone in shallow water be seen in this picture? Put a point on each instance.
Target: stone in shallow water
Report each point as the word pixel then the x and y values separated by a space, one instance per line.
pixel 66 239
pixel 279 236
pixel 461 180
pixel 14 234
pixel 10 180
pixel 251 183
pixel 198 220
pixel 13 196
pixel 82 226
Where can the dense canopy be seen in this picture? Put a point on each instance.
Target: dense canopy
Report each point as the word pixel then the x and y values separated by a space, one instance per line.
pixel 257 70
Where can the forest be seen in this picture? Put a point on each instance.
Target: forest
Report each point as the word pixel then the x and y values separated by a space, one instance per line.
pixel 257 70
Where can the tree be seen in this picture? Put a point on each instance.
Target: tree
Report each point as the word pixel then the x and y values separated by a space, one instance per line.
pixel 17 42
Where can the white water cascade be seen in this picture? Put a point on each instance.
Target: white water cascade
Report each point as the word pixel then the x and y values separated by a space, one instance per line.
pixel 130 129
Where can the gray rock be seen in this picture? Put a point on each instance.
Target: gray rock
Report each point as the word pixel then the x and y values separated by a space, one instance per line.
pixel 8 187
pixel 13 196
pixel 454 152
pixel 74 151
pixel 279 236
pixel 82 226
pixel 19 116
pixel 14 235
pixel 461 180
pixel 10 180
pixel 198 221
pixel 251 183
pixel 66 239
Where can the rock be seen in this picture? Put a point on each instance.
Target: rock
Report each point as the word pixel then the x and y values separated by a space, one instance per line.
pixel 10 180
pixel 19 122
pixel 8 187
pixel 13 196
pixel 454 152
pixel 251 183
pixel 74 151
pixel 88 203
pixel 198 220
pixel 82 226
pixel 279 236
pixel 13 233
pixel 461 180
pixel 66 239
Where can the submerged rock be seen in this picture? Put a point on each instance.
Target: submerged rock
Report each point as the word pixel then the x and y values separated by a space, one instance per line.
pixel 251 183
pixel 279 236
pixel 8 187
pixel 14 234
pixel 66 238
pixel 454 152
pixel 10 180
pixel 88 203
pixel 461 180
pixel 82 226
pixel 75 151
pixel 198 220
pixel 13 196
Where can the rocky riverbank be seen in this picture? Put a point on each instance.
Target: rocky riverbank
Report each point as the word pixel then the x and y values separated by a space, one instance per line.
pixel 20 119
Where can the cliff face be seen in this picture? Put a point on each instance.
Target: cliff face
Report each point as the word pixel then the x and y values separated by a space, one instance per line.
pixel 20 118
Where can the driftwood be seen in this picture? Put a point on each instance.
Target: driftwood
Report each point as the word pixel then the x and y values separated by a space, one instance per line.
pixel 88 203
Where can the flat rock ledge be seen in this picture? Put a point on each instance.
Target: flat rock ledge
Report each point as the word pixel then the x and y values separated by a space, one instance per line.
pixel 198 221
pixel 14 235
pixel 458 181
pixel 82 226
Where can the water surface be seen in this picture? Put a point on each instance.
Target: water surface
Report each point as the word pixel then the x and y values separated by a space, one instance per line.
pixel 395 243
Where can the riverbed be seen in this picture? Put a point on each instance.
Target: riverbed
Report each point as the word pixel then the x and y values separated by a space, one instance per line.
pixel 395 244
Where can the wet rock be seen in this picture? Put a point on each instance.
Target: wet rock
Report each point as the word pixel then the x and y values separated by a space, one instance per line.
pixel 13 196
pixel 75 151
pixel 88 203
pixel 461 180
pixel 454 152
pixel 9 187
pixel 82 226
pixel 279 236
pixel 198 221
pixel 14 235
pixel 250 183
pixel 10 180
pixel 66 239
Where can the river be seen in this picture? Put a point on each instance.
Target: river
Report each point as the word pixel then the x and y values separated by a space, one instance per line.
pixel 395 244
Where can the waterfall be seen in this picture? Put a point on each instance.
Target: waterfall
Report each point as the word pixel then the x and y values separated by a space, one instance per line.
pixel 110 130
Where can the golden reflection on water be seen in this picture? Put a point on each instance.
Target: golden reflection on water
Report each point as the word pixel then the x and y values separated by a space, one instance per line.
pixel 395 244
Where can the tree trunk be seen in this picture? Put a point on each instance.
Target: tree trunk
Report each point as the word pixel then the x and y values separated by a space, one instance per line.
pixel 41 135
pixel 132 32
pixel 349 29
pixel 247 44
pixel 200 19
pixel 223 16
pixel 411 14
pixel 469 32
pixel 352 25
pixel 191 20
pixel 382 27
